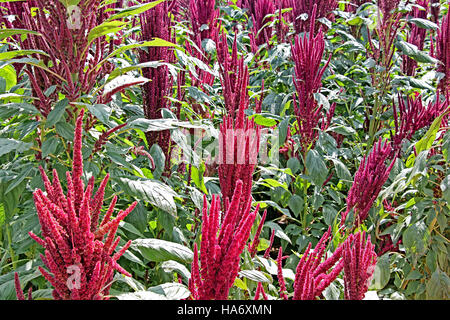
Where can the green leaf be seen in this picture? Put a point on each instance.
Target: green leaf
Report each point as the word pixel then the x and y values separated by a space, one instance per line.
pixel 9 74
pixel 424 23
pixel 165 291
pixel 427 140
pixel 18 180
pixel 49 146
pixel 171 266
pixel 56 114
pixel 5 33
pixel 153 191
pixel 197 177
pixel 413 52
pixel 101 111
pixel 341 170
pixel 416 238
pixel 263 121
pixel 296 204
pixel 316 167
pixel 161 250
pixel 437 287
pixel 382 273
pixel 8 145
pixel 445 187
pixel 15 53
pixel 105 28
pixel 256 275
pixel 134 10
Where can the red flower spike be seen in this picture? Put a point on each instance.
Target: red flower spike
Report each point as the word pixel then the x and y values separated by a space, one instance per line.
pixel 307 53
pixel 81 265
pixel 369 179
pixel 306 8
pixel 311 276
pixel 157 23
pixel 255 242
pixel 359 260
pixel 221 246
pixel 443 53
pixel 281 281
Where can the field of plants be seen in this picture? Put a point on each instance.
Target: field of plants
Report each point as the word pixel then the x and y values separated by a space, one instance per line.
pixel 224 150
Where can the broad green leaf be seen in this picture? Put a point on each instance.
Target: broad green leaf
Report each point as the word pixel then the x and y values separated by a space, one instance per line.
pixel 101 111
pixel 437 287
pixel 171 265
pixel 382 273
pixel 56 114
pixel 161 250
pixel 16 53
pixel 165 291
pixel 316 167
pixel 256 275
pixel 9 74
pixel 153 191
pixel 105 28
pixel 263 120
pixel 424 23
pixel 427 140
pixel 416 238
pixel 413 52
pixel 8 145
pixel 5 33
pixel 134 10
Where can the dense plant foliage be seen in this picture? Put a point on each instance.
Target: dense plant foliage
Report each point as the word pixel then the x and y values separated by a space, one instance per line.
pixel 245 149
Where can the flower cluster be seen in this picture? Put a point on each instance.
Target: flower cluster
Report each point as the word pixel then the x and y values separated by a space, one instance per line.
pixel 239 142
pixel 204 13
pixel 156 23
pixel 81 264
pixel 304 12
pixel 416 36
pixel 412 116
pixel 311 276
pixel 72 71
pixel 359 260
pixel 307 53
pixel 369 179
pixel 260 11
pixel 222 242
pixel 234 77
pixel 443 53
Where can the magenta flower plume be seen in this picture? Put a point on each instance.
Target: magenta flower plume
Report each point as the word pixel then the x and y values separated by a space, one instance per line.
pixel 281 281
pixel 307 53
pixel 204 13
pixel 254 245
pixel 313 275
pixel 413 116
pixel 72 60
pixel 203 16
pixel 260 291
pixel 222 242
pixel 301 8
pixel 239 142
pixel 416 36
pixel 359 259
pixel 156 23
pixel 81 264
pixel 443 53
pixel 260 11
pixel 369 179
pixel 387 7
pixel 234 77
pixel 18 288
